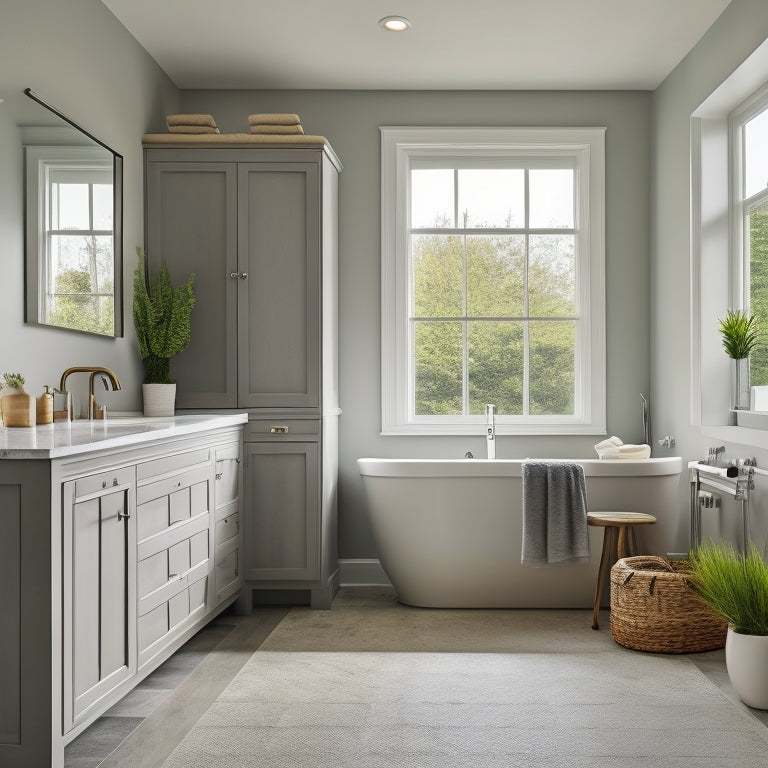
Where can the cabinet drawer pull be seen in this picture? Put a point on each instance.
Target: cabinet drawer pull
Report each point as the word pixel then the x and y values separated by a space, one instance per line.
pixel 278 429
pixel 114 482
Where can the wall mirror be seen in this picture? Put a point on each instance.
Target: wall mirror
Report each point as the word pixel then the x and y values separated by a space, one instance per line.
pixel 73 222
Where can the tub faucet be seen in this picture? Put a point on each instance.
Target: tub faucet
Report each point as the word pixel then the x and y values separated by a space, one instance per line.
pixel 490 430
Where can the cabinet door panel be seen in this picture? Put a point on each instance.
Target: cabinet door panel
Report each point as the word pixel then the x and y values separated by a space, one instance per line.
pixel 282 511
pixel 192 227
pixel 279 247
pixel 85 559
pixel 114 574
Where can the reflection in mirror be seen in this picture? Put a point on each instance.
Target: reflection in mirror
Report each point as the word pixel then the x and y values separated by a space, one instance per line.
pixel 73 222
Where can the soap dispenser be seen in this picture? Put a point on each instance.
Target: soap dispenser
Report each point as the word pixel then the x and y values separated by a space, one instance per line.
pixel 44 407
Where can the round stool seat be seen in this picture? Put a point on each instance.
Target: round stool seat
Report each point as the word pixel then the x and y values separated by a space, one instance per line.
pixel 619 518
pixel 615 545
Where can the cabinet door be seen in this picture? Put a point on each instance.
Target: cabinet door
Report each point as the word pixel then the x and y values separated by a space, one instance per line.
pixel 192 227
pixel 99 589
pixel 279 302
pixel 282 512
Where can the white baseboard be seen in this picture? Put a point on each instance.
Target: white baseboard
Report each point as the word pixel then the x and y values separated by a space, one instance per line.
pixel 362 573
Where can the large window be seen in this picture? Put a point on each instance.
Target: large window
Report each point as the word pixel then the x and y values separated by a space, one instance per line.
pixel 492 268
pixel 749 152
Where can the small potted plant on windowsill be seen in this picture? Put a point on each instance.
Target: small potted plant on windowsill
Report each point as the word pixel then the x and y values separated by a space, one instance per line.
pixel 735 586
pixel 161 316
pixel 740 334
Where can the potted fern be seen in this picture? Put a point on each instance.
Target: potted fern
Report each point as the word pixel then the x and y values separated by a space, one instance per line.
pixel 739 332
pixel 735 586
pixel 161 316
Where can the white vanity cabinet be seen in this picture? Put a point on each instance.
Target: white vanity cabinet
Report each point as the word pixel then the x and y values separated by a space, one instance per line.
pixel 116 545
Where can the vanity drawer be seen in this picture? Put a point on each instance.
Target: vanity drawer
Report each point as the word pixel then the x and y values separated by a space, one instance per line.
pixel 173 464
pixel 86 486
pixel 164 509
pixel 260 429
pixel 227 528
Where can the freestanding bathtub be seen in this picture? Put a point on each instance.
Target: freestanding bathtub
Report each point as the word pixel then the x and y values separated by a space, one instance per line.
pixel 449 531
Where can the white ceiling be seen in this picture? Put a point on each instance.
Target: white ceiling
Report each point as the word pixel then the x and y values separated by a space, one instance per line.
pixel 453 44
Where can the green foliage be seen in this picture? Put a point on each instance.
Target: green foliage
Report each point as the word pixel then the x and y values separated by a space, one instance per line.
pixel 735 586
pixel 76 307
pixel 493 273
pixel 161 315
pixel 758 291
pixel 739 332
pixel 13 380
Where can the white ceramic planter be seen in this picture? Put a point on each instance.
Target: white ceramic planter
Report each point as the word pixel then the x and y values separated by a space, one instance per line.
pixel 159 399
pixel 746 657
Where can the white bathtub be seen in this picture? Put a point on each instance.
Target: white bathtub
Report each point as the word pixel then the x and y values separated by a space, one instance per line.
pixel 449 531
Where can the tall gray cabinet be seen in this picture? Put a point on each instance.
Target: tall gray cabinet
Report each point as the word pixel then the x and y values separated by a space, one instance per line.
pixel 258 226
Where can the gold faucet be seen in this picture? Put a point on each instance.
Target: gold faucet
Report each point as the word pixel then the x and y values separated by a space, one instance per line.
pixel 107 376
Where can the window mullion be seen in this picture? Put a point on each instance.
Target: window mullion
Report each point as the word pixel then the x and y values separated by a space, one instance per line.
pixel 526 323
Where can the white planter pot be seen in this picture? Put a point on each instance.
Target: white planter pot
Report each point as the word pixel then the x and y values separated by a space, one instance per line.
pixel 159 399
pixel 746 657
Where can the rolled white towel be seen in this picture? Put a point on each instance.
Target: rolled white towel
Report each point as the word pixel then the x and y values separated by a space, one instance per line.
pixel 642 451
pixel 610 442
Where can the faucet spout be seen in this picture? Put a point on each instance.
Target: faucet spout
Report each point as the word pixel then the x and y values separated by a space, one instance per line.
pixel 490 430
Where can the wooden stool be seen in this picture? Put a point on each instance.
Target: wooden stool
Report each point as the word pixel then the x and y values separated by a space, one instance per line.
pixel 619 527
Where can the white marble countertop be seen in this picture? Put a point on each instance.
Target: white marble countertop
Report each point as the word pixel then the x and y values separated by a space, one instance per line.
pixel 51 441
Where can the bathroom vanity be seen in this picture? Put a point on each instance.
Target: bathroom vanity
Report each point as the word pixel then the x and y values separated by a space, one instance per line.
pixel 119 540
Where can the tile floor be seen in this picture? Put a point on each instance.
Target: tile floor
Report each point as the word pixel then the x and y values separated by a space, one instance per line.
pixel 144 728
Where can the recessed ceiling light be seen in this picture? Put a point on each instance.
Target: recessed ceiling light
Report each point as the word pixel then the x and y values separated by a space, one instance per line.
pixel 395 23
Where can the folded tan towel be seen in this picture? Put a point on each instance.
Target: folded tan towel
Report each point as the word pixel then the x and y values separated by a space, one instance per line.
pixel 286 130
pixel 191 120
pixel 272 118
pixel 192 129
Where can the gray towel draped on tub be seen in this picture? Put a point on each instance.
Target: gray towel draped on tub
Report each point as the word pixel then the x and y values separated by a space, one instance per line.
pixel 554 513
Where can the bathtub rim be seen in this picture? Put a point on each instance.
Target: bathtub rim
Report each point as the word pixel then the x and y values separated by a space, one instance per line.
pixel 390 467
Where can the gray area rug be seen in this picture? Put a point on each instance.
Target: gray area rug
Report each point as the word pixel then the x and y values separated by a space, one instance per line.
pixel 445 710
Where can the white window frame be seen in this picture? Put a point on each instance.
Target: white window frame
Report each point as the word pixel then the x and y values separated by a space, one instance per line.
pixel 739 205
pixel 586 148
pixel 41 163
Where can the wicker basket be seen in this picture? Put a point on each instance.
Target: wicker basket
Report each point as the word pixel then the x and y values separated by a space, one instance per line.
pixel 654 609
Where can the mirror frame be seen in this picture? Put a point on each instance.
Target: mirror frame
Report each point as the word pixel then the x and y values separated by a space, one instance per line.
pixel 31 271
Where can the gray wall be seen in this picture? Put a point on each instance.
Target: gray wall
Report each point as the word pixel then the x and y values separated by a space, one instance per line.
pixel 351 120
pixel 77 57
pixel 739 30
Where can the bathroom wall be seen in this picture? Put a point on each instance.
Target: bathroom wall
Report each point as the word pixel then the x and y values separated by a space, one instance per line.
pixel 77 57
pixel 351 120
pixel 741 28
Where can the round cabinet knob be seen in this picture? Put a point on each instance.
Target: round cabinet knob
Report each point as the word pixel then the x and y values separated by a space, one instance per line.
pixel 243 275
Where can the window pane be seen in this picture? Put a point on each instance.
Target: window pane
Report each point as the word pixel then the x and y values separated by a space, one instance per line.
pixel 438 368
pixel 756 154
pixel 551 198
pixel 495 367
pixel 70 209
pixel 492 197
pixel 102 206
pixel 757 223
pixel 437 275
pixel 432 198
pixel 552 368
pixel 495 275
pixel 551 276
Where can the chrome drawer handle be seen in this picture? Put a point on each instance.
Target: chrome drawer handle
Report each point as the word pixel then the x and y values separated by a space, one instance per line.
pixel 122 515
pixel 278 429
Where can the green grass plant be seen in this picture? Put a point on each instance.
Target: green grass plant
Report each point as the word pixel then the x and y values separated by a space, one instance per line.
pixel 739 331
pixel 734 585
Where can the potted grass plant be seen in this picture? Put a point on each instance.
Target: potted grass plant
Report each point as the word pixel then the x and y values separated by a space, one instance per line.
pixel 740 334
pixel 161 316
pixel 735 586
